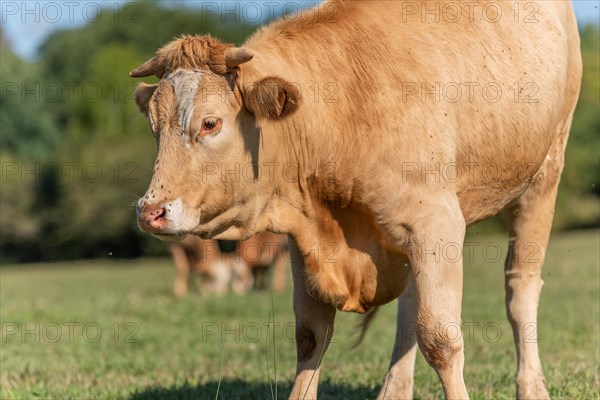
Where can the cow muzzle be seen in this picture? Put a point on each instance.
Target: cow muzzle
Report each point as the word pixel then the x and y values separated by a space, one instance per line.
pixel 152 218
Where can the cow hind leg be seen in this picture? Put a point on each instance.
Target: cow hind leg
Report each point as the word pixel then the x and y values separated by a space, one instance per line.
pixel 398 382
pixel 529 222
pixel 314 329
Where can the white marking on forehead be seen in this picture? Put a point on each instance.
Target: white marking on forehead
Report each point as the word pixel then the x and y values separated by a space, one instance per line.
pixel 185 84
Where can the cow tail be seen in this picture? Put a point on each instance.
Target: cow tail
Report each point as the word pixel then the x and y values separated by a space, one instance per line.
pixel 365 322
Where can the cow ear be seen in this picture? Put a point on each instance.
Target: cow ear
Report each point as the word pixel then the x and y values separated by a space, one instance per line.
pixel 272 98
pixel 143 94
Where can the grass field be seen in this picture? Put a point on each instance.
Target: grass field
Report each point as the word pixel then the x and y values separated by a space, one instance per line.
pixel 153 346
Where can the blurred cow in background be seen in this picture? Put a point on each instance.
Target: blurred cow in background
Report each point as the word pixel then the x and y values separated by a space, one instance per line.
pixel 225 265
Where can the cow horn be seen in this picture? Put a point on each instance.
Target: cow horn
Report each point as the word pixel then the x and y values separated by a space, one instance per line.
pixel 148 68
pixel 235 56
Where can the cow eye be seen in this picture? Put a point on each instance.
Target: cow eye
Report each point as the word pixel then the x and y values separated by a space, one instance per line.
pixel 209 124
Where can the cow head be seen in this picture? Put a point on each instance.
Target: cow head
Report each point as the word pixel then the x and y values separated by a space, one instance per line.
pixel 205 120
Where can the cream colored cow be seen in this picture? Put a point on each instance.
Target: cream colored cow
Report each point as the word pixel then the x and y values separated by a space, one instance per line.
pixel 372 134
pixel 239 269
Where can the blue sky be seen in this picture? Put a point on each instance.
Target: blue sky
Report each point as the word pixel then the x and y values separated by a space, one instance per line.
pixel 27 24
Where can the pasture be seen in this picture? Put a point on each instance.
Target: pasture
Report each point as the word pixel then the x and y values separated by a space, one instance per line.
pixel 112 329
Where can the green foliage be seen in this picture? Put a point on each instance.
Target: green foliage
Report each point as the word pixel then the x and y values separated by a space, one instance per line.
pixel 20 99
pixel 91 130
pixel 18 222
pixel 145 26
pixel 578 203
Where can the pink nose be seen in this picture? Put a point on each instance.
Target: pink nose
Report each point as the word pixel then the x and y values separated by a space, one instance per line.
pixel 151 217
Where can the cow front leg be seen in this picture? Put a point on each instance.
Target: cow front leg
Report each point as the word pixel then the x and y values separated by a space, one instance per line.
pixel 436 261
pixel 399 380
pixel 314 328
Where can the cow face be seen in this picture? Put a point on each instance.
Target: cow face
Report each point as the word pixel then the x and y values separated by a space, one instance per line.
pixel 205 179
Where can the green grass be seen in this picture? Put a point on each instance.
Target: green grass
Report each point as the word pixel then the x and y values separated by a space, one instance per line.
pixel 171 353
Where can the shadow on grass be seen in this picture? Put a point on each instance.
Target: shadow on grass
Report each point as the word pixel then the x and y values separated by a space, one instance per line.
pixel 236 389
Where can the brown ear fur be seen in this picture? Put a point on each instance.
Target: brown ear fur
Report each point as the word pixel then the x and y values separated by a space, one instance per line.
pixel 143 94
pixel 188 52
pixel 272 98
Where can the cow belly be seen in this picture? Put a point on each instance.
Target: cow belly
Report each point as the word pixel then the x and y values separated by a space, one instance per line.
pixel 479 202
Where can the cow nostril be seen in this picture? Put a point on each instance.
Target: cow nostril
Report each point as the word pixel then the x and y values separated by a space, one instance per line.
pixel 159 214
pixel 152 216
